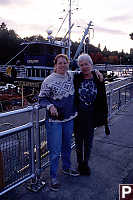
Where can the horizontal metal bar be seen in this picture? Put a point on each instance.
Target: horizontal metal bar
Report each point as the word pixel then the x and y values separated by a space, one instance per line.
pixel 17 129
pixel 116 89
pixel 27 109
pixel 17 184
pixel 41 122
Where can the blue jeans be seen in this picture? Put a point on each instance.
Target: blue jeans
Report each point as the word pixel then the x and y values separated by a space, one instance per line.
pixel 59 140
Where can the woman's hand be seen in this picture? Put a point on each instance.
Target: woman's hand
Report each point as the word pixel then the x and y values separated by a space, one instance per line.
pixel 99 75
pixel 53 111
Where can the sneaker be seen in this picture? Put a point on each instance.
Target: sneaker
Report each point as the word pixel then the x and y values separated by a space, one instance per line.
pixel 71 172
pixel 55 185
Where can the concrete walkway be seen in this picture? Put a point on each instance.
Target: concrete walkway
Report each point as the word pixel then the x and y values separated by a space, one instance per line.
pixel 111 163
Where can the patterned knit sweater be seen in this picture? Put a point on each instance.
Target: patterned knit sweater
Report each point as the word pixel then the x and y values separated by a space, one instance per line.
pixel 58 90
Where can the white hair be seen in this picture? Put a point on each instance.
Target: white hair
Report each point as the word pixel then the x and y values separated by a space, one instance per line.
pixel 85 56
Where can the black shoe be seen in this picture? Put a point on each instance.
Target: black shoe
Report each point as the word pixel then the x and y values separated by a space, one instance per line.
pixel 80 168
pixel 71 172
pixel 83 169
pixel 55 185
pixel 87 171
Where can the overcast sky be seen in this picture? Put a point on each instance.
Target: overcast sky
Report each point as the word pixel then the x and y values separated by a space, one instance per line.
pixel 113 20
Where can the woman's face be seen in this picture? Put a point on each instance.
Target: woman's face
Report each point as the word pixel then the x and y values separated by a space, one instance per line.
pixel 61 66
pixel 85 66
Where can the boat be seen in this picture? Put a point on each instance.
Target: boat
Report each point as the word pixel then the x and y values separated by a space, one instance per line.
pixel 37 63
pixel 39 56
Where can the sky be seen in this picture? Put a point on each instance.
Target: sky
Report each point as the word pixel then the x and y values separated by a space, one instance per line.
pixel 112 20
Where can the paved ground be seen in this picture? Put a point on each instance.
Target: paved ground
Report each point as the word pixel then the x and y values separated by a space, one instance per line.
pixel 111 164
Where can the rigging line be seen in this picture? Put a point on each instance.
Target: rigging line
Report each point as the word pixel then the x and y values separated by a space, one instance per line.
pixel 67 32
pixel 61 25
pixel 16 55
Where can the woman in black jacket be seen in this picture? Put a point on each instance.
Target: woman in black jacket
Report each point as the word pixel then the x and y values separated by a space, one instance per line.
pixel 91 102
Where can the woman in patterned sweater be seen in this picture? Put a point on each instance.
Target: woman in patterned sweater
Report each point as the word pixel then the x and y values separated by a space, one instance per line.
pixel 57 95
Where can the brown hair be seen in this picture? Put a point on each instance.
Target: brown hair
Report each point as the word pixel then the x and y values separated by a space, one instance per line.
pixel 59 56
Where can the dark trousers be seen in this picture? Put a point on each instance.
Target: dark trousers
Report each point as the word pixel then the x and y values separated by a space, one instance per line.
pixel 84 132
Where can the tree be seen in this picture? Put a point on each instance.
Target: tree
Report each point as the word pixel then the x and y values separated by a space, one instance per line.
pixel 99 46
pixel 38 38
pixel 97 58
pixel 131 36
pixel 9 43
pixel 3 27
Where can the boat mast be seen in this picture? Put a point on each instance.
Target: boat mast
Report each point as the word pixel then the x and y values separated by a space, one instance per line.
pixel 69 39
pixel 83 38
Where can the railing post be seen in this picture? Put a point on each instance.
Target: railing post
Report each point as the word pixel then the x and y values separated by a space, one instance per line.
pixel 38 155
pixel 119 99
pixel 125 94
pixel 131 92
pixel 39 183
pixel 1 171
pixel 31 186
pixel 110 103
pixel 32 143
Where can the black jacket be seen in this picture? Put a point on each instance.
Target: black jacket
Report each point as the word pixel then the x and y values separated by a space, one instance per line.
pixel 100 104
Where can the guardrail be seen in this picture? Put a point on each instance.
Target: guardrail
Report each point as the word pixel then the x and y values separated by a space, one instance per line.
pixel 118 83
pixel 119 97
pixel 23 149
pixel 16 166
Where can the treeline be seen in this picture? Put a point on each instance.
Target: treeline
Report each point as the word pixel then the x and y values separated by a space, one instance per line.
pixel 10 45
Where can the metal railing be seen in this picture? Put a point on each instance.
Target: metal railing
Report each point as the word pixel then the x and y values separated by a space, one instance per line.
pixel 119 97
pixel 23 149
pixel 16 153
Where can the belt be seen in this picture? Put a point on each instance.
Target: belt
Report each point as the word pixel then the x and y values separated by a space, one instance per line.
pixel 88 103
